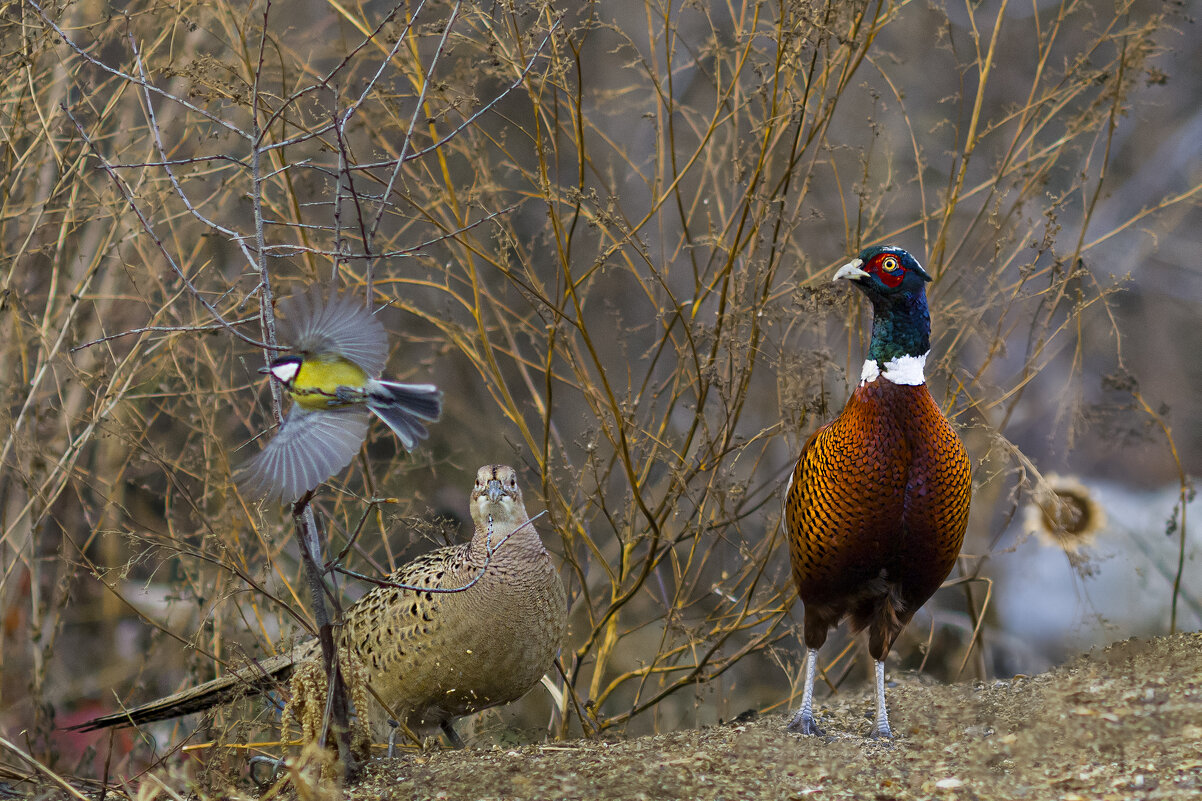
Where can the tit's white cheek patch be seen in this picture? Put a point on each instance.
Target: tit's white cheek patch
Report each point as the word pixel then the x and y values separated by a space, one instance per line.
pixel 285 372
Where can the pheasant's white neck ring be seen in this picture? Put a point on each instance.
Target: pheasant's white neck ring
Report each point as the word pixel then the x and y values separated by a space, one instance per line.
pixel 899 370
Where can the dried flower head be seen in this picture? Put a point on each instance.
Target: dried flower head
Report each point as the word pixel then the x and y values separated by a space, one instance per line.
pixel 1063 512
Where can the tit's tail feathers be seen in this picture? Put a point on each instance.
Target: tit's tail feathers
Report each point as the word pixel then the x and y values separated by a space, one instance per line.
pixel 308 449
pixel 405 407
pixel 251 680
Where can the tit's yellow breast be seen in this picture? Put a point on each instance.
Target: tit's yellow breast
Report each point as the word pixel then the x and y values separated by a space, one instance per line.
pixel 319 378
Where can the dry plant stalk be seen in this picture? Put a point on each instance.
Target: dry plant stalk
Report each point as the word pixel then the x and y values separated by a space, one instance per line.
pixel 606 237
pixel 306 709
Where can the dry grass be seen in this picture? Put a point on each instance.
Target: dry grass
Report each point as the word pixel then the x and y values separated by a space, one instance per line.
pixel 607 231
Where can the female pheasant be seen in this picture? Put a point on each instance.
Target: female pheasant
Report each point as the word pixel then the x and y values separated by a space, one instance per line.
pixel 484 633
pixel 877 505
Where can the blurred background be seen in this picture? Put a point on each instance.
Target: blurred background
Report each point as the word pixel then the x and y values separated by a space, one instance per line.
pixel 607 232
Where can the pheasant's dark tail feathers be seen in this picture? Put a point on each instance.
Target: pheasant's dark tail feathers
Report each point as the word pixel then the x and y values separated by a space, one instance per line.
pixel 405 407
pixel 884 613
pixel 250 681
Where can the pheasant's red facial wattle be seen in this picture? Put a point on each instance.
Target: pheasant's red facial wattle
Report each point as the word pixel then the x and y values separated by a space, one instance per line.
pixel 889 269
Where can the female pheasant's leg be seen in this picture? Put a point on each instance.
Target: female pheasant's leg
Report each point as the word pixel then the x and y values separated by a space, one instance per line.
pixel 449 730
pixel 881 726
pixel 803 721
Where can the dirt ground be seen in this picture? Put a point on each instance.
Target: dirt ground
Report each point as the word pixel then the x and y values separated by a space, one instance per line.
pixel 1123 723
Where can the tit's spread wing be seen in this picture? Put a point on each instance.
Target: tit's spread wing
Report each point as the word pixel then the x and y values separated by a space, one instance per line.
pixel 337 324
pixel 309 448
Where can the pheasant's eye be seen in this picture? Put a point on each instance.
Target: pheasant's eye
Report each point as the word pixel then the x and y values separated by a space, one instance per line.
pixel 890 264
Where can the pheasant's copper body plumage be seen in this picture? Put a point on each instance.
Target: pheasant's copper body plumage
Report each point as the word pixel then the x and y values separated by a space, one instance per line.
pixel 485 639
pixel 877 506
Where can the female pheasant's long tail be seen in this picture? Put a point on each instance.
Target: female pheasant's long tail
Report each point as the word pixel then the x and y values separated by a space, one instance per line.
pixel 251 680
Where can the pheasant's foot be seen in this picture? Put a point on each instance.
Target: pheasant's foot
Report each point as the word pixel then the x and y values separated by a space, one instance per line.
pixel 803 723
pixel 257 764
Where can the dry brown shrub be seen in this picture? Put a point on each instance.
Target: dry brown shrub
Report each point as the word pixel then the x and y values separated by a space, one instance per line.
pixel 607 230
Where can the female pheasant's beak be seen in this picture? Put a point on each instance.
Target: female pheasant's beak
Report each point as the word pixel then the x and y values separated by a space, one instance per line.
pixel 495 490
pixel 851 271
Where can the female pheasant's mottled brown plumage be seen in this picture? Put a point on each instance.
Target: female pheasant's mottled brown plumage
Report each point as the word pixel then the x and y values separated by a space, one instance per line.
pixel 877 506
pixel 432 656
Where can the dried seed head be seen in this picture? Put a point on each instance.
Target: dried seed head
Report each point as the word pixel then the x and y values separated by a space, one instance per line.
pixel 1064 513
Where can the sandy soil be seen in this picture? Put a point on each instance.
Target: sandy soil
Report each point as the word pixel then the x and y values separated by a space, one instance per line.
pixel 1123 723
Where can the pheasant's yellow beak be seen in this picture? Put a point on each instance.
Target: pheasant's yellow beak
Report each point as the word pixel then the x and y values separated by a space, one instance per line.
pixel 851 271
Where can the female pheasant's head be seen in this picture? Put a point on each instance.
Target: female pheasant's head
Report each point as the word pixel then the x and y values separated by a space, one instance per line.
pixel 901 324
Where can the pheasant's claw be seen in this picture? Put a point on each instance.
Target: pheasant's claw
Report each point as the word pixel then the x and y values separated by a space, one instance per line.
pixel 804 724
pixel 879 733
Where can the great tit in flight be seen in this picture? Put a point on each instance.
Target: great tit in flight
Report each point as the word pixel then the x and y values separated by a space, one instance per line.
pixel 333 378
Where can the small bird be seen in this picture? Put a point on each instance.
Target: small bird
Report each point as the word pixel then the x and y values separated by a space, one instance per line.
pixel 481 625
pixel 877 506
pixel 334 381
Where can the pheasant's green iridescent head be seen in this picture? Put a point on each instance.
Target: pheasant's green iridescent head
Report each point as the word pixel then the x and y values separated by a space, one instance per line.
pixel 901 324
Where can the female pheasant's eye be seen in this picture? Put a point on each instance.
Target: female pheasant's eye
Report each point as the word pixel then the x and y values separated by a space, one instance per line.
pixel 890 264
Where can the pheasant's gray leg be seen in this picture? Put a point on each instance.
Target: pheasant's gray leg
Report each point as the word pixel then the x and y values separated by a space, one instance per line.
pixel 803 721
pixel 395 727
pixel 881 726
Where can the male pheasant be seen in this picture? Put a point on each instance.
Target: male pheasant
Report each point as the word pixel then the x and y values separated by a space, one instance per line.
pixel 877 505
pixel 484 633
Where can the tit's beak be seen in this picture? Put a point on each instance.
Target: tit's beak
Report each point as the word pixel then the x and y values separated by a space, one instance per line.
pixel 264 371
pixel 851 271
pixel 495 490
